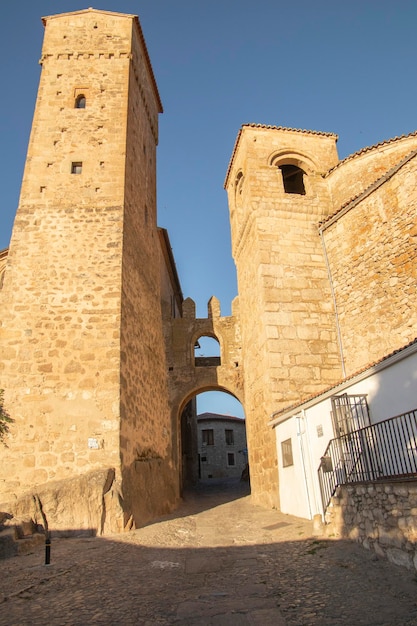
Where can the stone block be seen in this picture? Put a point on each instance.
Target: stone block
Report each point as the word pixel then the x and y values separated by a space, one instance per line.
pixel 391 537
pixel 399 557
pixel 72 506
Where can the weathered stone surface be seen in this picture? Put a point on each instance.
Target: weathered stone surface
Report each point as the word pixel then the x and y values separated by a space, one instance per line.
pixel 88 504
pixel 82 351
pixel 390 535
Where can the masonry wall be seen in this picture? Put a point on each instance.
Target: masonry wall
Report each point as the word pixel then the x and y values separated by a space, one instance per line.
pixel 82 349
pixel 372 252
pixel 150 480
pixel 214 458
pixel 382 516
pixel 356 173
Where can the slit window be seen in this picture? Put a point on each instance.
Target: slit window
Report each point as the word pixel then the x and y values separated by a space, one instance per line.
pixel 76 167
pixel 293 179
pixel 80 101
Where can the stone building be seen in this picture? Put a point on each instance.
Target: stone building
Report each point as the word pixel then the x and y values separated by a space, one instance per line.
pixel 96 343
pixel 222 447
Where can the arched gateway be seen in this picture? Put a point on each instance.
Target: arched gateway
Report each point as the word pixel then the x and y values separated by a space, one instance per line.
pixel 190 375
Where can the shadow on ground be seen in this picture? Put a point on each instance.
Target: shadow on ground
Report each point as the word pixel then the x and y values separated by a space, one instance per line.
pixel 226 562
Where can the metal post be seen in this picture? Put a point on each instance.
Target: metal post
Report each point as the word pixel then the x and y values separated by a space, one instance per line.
pixel 47 548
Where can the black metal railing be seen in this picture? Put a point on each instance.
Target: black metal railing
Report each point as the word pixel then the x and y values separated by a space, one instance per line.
pixel 382 450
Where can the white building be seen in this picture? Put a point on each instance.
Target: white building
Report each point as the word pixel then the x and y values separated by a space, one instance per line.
pixel 383 390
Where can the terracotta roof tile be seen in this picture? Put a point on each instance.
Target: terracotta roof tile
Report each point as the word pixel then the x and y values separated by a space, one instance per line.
pixel 269 127
pixel 377 183
pixel 218 416
pixel 369 148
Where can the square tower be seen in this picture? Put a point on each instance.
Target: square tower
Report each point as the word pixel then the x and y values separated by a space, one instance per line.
pixel 82 351
pixel 277 195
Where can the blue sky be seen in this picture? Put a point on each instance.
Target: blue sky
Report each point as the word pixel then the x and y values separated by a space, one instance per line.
pixel 343 67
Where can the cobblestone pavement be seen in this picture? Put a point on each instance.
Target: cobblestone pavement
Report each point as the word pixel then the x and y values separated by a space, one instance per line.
pixel 215 561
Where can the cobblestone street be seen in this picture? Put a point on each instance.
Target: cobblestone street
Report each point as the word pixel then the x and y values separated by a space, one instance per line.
pixel 216 560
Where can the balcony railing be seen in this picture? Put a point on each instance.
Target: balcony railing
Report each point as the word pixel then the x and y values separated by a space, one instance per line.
pixel 382 450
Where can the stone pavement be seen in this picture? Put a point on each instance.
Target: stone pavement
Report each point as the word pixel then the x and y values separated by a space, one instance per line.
pixel 215 561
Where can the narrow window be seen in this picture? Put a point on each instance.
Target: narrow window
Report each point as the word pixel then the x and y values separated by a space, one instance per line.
pixel 207 437
pixel 239 187
pixel 229 436
pixel 230 458
pixel 80 101
pixel 293 179
pixel 76 167
pixel 286 450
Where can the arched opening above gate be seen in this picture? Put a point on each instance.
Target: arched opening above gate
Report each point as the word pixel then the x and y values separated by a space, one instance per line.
pixel 207 352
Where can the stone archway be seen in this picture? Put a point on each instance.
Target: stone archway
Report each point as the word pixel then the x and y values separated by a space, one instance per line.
pixel 187 414
pixel 188 378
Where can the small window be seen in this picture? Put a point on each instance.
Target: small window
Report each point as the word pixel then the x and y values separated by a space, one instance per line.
pixel 204 459
pixel 293 179
pixel 230 459
pixel 286 450
pixel 229 437
pixel 80 101
pixel 76 167
pixel 239 187
pixel 207 437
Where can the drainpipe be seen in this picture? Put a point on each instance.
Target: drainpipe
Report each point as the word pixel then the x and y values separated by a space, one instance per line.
pixel 300 434
pixel 317 501
pixel 339 336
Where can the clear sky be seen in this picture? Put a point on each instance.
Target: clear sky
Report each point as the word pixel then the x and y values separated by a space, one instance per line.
pixel 347 67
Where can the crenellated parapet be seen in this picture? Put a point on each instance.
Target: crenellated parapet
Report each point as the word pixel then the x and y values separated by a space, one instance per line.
pixel 190 374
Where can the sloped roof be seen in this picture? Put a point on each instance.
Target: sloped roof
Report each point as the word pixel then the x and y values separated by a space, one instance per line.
pixel 363 194
pixel 210 417
pixel 375 146
pixel 385 361
pixel 269 127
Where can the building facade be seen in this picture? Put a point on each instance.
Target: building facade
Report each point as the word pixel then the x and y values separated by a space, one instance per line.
pixel 222 447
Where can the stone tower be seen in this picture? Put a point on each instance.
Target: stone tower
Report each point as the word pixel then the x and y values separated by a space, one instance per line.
pixel 277 196
pixel 82 352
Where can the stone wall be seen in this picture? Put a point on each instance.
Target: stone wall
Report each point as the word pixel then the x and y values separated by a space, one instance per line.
pixel 372 252
pixel 357 172
pixel 150 478
pixel 382 516
pixel 214 461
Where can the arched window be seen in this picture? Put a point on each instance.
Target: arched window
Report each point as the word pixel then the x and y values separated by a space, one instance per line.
pixel 80 101
pixel 293 179
pixel 239 187
pixel 207 352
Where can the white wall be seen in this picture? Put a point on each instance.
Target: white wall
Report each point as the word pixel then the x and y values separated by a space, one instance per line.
pixel 390 392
